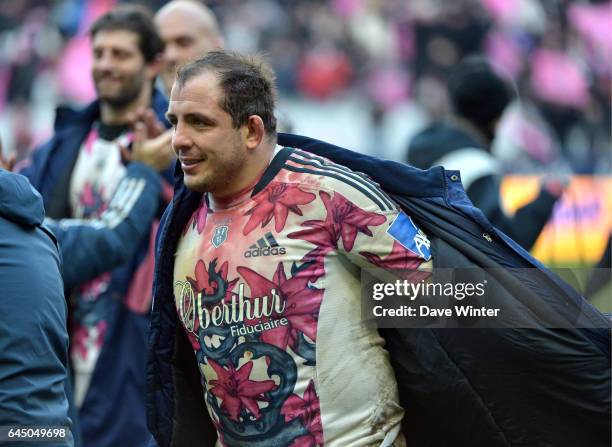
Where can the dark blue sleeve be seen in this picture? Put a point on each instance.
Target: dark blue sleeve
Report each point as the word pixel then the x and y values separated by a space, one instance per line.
pixel 91 247
pixel 33 333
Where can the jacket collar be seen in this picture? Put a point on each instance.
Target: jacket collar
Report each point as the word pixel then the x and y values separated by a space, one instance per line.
pixel 414 182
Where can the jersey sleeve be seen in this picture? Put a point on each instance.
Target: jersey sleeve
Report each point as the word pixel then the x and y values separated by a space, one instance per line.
pixel 374 236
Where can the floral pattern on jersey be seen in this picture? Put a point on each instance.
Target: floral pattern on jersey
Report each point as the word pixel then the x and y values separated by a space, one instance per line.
pixel 344 221
pixel 247 403
pixel 256 389
pixel 88 323
pixel 197 219
pixel 207 279
pixel 275 202
pixel 309 412
pixel 86 338
pixel 302 302
pixel 236 390
pixel 91 200
pixel 400 259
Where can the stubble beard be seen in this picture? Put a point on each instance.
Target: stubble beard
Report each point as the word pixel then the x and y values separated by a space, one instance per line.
pixel 225 174
pixel 127 94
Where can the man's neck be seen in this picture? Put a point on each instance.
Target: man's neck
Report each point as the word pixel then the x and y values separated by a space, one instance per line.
pixel 236 198
pixel 247 183
pixel 113 115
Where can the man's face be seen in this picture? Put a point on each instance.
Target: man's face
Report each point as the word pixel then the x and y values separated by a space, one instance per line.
pixel 211 151
pixel 119 68
pixel 183 43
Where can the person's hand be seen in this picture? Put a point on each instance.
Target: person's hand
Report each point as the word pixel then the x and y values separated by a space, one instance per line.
pixel 152 142
pixel 155 152
pixel 146 116
pixel 6 163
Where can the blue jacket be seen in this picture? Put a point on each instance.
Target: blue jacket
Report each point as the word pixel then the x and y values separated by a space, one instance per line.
pixel 461 386
pixel 113 411
pixel 33 335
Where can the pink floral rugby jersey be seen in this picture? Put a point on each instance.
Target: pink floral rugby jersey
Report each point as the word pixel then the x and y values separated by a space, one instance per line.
pixel 97 172
pixel 269 293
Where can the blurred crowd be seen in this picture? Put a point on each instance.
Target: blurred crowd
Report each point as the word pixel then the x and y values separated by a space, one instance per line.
pixel 390 52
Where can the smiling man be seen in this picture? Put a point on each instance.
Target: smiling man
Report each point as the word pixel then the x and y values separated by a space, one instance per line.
pixel 259 255
pixel 77 172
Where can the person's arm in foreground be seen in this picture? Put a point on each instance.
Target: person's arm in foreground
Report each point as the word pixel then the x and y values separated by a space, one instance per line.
pixel 91 247
pixel 33 336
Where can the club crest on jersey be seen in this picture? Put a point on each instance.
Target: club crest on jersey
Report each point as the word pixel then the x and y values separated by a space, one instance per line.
pixel 404 231
pixel 219 235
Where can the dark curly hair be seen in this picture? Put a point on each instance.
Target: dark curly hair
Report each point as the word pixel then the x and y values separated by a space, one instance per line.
pixel 136 19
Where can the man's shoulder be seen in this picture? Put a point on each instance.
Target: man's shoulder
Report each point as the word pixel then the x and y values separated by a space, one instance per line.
pixel 315 172
pixel 70 115
pixel 20 203
pixel 436 141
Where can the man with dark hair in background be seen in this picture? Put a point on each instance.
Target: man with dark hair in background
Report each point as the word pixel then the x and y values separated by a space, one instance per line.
pixel 77 172
pixel 478 97
pixel 31 273
pixel 188 29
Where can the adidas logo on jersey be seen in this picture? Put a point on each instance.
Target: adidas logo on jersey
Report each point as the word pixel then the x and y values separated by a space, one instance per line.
pixel 266 246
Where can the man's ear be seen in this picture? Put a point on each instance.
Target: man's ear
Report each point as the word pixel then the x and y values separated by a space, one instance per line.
pixel 254 131
pixel 154 67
